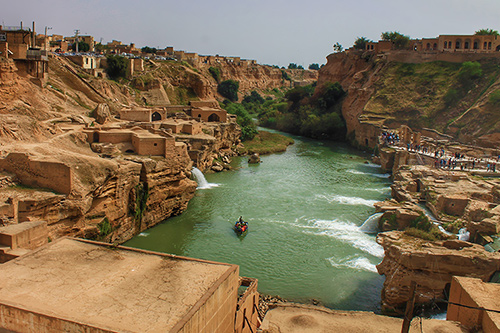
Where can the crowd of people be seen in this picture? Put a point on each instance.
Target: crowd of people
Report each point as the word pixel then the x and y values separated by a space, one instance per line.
pixel 442 158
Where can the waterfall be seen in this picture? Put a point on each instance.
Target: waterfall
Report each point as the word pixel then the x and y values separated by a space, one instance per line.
pixel 200 179
pixel 370 226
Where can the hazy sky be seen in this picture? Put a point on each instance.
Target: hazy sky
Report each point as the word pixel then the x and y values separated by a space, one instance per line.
pixel 270 31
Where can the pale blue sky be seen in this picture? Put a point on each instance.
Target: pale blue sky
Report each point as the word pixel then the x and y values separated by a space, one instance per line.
pixel 272 32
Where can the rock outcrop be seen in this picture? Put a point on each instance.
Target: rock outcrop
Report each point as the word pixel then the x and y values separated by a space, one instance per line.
pixel 431 264
pixel 97 198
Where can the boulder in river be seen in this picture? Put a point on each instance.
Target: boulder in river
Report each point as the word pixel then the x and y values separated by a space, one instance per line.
pixel 254 158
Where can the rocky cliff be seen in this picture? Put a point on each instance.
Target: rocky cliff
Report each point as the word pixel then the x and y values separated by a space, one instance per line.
pixel 107 199
pixel 48 171
pixel 431 264
pixel 445 96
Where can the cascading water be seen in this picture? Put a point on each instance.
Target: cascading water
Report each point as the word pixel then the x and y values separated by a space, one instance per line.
pixel 370 226
pixel 200 179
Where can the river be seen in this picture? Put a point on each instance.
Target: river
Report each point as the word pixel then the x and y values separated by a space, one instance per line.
pixel 305 208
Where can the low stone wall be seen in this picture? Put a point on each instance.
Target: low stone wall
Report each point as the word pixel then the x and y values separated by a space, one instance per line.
pixel 53 175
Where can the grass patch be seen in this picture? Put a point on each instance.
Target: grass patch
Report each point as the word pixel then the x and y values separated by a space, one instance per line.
pixel 267 143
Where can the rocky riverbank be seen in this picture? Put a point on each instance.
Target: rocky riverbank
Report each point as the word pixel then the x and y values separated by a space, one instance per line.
pixel 424 247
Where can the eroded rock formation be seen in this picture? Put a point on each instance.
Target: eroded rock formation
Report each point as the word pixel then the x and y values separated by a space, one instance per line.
pixel 431 264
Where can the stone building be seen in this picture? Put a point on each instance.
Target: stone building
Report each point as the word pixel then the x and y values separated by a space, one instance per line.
pixel 444 43
pixel 18 43
pixel 136 140
pixel 76 285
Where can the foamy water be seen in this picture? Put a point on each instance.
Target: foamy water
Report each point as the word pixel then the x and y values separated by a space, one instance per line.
pixel 349 233
pixel 355 262
pixel 348 200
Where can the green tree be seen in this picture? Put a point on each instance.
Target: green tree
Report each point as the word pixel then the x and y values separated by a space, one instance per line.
pixel 399 40
pixel 229 89
pixel 360 43
pixel 254 97
pixel 147 49
pixel 314 66
pixel 487 32
pixel 292 66
pixel 244 120
pixel 337 47
pixel 82 46
pixel 116 67
pixel 330 94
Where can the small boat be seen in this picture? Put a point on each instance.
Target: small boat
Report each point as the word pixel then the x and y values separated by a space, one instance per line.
pixel 240 227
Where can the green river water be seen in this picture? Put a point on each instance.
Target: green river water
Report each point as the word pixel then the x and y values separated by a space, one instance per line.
pixel 305 208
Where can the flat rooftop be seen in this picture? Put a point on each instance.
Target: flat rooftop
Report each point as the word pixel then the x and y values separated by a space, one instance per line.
pixel 114 288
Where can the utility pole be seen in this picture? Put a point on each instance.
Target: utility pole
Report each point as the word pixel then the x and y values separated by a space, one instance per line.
pixel 45 40
pixel 77 31
pixel 409 308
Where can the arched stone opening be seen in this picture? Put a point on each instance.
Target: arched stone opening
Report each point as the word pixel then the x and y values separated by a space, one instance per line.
pixel 498 48
pixel 155 116
pixel 95 137
pixel 458 44
pixel 476 45
pixel 434 46
pixel 213 117
pixel 445 45
pixel 428 46
pixel 467 44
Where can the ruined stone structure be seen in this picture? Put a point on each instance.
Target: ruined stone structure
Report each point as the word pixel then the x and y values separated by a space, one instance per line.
pixel 38 173
pixel 18 43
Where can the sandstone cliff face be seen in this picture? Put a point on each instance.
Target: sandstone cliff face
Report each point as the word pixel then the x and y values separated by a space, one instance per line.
pixel 414 92
pixel 431 264
pixel 109 199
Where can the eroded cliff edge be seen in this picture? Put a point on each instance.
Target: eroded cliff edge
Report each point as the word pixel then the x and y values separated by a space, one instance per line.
pixel 403 88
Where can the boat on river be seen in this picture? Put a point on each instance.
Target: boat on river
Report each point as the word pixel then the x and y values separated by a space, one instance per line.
pixel 240 227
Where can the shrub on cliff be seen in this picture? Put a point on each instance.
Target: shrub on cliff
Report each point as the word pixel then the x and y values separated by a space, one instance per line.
pixel 469 72
pixel 215 72
pixel 117 66
pixel 229 89
pixel 494 97
pixel 248 127
pixel 314 67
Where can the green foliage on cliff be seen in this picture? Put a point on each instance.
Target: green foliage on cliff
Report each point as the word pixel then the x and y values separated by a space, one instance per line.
pixel 248 127
pixel 215 72
pixel 301 113
pixel 116 66
pixel 105 228
pixel 438 95
pixel 494 97
pixel 229 89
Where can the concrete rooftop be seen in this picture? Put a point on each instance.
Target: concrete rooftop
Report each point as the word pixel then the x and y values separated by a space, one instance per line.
pixel 119 289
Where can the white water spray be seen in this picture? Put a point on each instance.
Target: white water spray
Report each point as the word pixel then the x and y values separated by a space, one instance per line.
pixel 370 226
pixel 200 179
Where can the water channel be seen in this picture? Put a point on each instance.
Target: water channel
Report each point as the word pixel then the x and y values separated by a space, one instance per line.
pixel 305 208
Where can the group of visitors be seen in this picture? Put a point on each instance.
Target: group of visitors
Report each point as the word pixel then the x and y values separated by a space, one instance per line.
pixel 390 138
